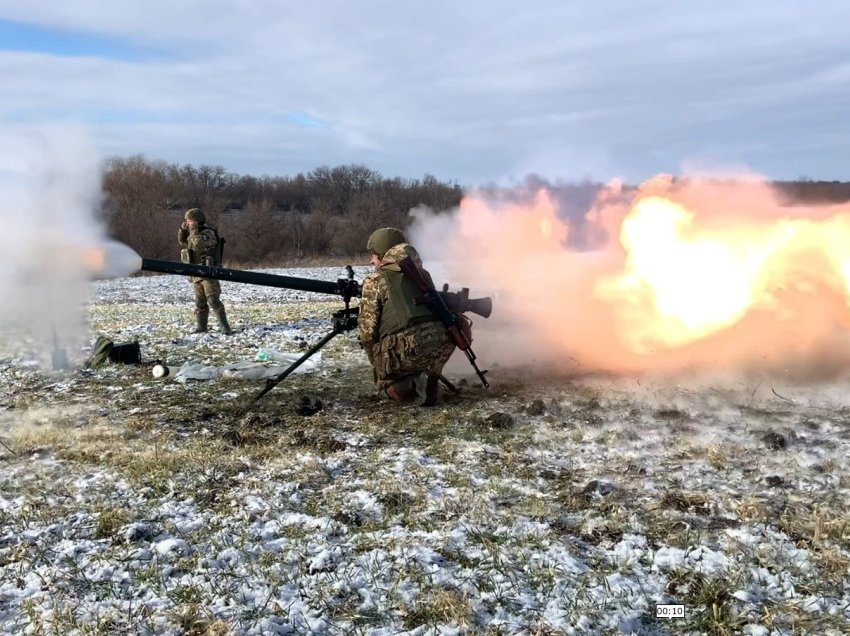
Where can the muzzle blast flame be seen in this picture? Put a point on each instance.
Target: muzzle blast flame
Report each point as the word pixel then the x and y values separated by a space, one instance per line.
pixel 695 274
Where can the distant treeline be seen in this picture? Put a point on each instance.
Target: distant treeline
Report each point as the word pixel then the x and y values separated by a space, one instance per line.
pixel 325 214
pixel 814 192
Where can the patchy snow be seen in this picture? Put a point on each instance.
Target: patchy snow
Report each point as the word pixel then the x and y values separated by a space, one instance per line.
pixel 142 505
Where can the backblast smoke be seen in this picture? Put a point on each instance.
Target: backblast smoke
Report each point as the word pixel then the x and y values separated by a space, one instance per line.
pixel 49 195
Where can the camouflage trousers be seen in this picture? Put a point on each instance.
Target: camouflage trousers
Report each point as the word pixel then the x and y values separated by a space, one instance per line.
pixel 424 347
pixel 207 293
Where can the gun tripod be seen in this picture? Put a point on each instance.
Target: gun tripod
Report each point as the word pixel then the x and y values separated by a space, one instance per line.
pixel 344 320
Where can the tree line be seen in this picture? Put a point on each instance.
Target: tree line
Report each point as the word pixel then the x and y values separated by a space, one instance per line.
pixel 325 214
pixel 270 220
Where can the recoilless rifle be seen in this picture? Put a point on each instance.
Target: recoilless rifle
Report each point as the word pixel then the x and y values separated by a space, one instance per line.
pixel 445 304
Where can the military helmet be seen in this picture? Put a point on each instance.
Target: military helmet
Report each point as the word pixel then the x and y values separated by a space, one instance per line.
pixel 382 240
pixel 195 214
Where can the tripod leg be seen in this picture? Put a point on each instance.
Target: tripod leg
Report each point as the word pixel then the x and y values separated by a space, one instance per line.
pixel 280 377
pixel 448 384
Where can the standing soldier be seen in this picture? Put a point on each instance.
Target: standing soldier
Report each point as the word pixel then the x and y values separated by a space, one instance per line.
pixel 201 246
pixel 407 344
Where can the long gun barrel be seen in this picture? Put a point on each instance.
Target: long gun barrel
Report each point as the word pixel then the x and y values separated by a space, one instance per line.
pixel 346 287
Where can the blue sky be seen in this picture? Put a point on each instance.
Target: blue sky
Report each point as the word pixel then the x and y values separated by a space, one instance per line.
pixel 477 92
pixel 58 41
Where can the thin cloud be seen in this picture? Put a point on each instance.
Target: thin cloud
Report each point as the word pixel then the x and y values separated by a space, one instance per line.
pixel 470 91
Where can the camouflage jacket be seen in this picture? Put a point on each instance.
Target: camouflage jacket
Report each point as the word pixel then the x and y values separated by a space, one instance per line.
pixel 375 293
pixel 202 241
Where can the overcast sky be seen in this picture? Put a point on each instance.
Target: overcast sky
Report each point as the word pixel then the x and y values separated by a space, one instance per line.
pixel 477 91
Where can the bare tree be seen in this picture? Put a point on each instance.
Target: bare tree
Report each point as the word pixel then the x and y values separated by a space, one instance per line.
pixel 136 206
pixel 256 234
pixel 208 188
pixel 296 231
pixel 318 231
pixel 369 211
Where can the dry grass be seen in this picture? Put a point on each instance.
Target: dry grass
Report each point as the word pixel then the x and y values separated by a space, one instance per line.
pixel 432 473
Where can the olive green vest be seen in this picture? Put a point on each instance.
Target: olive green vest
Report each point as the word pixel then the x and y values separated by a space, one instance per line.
pixel 400 312
pixel 212 257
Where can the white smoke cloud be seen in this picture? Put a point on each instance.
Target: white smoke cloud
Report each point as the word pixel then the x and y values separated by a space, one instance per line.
pixel 49 195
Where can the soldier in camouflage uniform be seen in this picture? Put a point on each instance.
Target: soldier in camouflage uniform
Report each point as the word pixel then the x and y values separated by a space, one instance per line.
pixel 407 344
pixel 200 247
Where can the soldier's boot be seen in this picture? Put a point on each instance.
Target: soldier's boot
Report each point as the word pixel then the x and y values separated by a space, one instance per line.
pixel 201 319
pixel 427 386
pixel 402 390
pixel 221 314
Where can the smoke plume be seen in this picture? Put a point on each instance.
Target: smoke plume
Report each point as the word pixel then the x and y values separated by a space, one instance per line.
pixel 49 194
pixel 689 273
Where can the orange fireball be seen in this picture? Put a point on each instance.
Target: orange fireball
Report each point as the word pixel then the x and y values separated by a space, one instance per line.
pixel 681 283
pixel 696 274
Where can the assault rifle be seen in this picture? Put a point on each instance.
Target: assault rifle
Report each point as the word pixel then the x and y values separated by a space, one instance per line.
pixel 456 327
pixel 344 319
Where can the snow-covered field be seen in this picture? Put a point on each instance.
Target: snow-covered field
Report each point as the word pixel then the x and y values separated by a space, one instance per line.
pixel 547 504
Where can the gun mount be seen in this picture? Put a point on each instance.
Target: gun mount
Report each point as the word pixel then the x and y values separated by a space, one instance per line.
pixel 348 288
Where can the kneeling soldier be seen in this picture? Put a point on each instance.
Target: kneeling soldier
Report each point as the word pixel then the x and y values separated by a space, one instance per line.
pixel 406 343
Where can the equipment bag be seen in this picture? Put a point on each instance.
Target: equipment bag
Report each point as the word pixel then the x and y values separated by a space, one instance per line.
pixel 128 353
pixel 100 352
